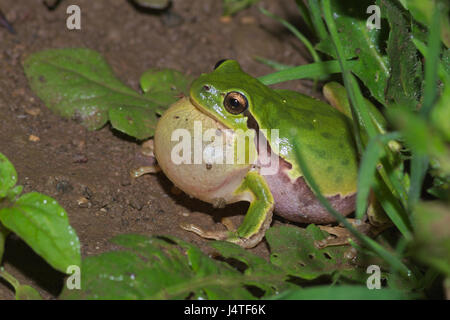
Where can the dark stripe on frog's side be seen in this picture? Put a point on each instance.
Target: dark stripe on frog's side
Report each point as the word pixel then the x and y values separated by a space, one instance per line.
pixel 296 202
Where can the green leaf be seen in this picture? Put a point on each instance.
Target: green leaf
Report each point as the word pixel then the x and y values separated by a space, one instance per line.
pixel 135 121
pixel 346 292
pixel 293 250
pixel 79 83
pixel 166 268
pixel 359 42
pixel 8 176
pixel 404 83
pixel 255 268
pixel 165 86
pixel 43 224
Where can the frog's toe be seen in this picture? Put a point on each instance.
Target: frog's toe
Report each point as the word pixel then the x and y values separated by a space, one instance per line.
pixel 144 170
pixel 208 234
pixel 230 236
pixel 226 221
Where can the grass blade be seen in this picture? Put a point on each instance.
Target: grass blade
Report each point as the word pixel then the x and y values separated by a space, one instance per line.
pixel 431 65
pixel 295 31
pixel 310 71
pixel 316 19
pixel 272 63
pixel 366 177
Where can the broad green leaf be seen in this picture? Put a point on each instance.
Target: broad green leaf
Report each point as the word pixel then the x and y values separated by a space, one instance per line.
pixel 404 83
pixel 43 224
pixel 8 176
pixel 160 268
pixel 293 250
pixel 256 267
pixel 345 292
pixel 361 43
pixel 165 86
pixel 79 83
pixel 230 7
pixel 134 121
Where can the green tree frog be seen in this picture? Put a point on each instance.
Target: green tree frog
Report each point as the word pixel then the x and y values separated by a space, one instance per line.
pixel 196 146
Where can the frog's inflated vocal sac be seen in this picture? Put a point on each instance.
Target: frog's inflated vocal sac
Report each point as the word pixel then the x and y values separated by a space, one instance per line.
pixel 229 100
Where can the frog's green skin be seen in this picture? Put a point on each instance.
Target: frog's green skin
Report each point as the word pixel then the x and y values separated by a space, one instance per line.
pixel 326 145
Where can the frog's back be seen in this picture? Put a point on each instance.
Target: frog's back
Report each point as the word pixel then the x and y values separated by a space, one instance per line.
pixel 325 138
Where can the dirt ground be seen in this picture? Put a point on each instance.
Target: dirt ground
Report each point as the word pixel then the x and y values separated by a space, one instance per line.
pixel 88 171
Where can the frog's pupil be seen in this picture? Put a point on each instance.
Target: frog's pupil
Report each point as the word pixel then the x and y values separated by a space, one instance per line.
pixel 235 103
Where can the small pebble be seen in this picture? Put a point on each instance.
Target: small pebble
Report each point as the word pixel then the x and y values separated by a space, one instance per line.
pixel 83 202
pixel 225 19
pixel 248 20
pixel 34 138
pixel 33 111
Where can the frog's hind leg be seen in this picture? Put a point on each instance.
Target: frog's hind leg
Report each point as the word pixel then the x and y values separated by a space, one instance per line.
pixel 256 221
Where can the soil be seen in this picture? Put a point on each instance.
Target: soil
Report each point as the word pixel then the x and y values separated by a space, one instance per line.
pixel 87 172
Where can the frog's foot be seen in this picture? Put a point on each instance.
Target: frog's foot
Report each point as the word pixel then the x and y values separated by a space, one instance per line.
pixel 231 234
pixel 340 236
pixel 144 170
pixel 256 221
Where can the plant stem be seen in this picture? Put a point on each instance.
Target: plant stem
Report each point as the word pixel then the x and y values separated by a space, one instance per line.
pixel 9 278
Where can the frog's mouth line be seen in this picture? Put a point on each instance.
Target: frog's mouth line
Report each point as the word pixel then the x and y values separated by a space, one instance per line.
pixel 204 111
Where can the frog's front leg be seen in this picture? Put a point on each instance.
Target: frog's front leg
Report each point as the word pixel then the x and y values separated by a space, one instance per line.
pixel 256 221
pixel 147 149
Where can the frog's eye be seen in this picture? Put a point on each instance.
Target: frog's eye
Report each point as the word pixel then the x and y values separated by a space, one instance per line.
pixel 235 102
pixel 218 63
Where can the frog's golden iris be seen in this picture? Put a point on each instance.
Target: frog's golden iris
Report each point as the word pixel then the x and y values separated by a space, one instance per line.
pixel 235 102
